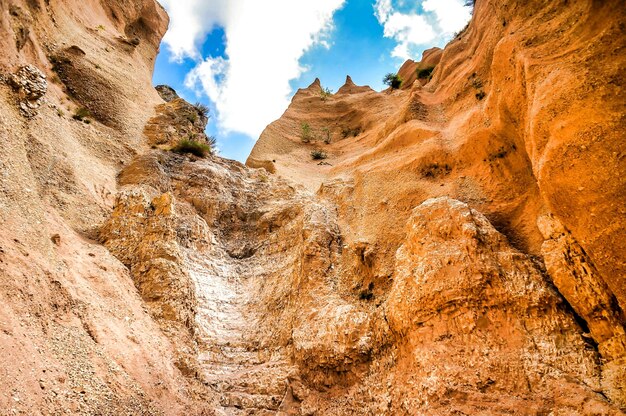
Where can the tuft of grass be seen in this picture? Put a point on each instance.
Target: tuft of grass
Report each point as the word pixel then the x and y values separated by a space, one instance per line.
pixel 192 117
pixel 393 80
pixel 436 170
pixel 425 73
pixel 325 93
pixel 191 146
pixel 347 131
pixel 326 134
pixel 202 109
pixel 318 155
pixel 81 114
pixel 480 95
pixel 477 83
pixel 306 133
pixel 100 27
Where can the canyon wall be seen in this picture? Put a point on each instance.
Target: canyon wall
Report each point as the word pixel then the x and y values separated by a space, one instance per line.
pixel 76 336
pixel 459 251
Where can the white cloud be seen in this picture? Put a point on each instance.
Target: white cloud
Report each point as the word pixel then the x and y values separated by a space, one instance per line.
pixel 190 22
pixel 441 18
pixel 264 42
pixel 452 15
pixel 408 29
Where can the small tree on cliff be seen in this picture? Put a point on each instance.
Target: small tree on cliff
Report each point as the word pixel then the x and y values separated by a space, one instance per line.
pixel 392 80
pixel 306 134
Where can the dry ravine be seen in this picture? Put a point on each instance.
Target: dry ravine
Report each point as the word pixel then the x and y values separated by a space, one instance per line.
pixel 459 251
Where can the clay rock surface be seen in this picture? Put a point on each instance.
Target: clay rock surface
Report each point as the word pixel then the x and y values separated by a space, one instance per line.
pixel 458 253
pixel 488 129
pixel 31 85
pixel 76 337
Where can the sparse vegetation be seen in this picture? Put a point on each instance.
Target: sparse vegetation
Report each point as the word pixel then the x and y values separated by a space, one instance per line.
pixel 202 109
pixel 326 135
pixel 100 27
pixel 436 170
pixel 393 80
pixel 318 155
pixel 192 117
pixel 425 73
pixel 350 131
pixel 501 153
pixel 477 83
pixel 81 114
pixel 60 112
pixel 194 147
pixel 325 93
pixel 306 133
pixel 211 141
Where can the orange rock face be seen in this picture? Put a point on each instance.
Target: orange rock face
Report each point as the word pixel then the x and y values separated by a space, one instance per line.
pixel 523 120
pixel 458 252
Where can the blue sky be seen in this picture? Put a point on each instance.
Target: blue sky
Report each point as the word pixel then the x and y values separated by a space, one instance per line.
pixel 246 58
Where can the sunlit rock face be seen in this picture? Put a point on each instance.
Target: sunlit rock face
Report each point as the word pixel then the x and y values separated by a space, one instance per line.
pixel 457 252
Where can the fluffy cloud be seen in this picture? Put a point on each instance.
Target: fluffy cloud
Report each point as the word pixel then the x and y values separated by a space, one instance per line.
pixel 190 22
pixel 410 29
pixel 452 15
pixel 264 42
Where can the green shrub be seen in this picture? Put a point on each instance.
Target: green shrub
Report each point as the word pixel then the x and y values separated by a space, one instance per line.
pixel 425 73
pixel 202 109
pixel 326 134
pixel 191 146
pixel 325 93
pixel 81 114
pixel 318 155
pixel 393 80
pixel 192 117
pixel 306 133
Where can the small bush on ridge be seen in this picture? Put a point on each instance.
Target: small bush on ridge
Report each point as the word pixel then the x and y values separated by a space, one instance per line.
pixel 393 80
pixel 81 114
pixel 202 109
pixel 425 73
pixel 306 134
pixel 325 93
pixel 318 155
pixel 191 146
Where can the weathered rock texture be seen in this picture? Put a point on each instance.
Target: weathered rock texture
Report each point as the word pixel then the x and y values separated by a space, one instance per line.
pixel 459 253
pixel 76 337
pixel 522 120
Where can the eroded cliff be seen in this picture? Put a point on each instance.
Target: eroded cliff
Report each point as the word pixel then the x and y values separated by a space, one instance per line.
pixel 459 252
pixel 521 118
